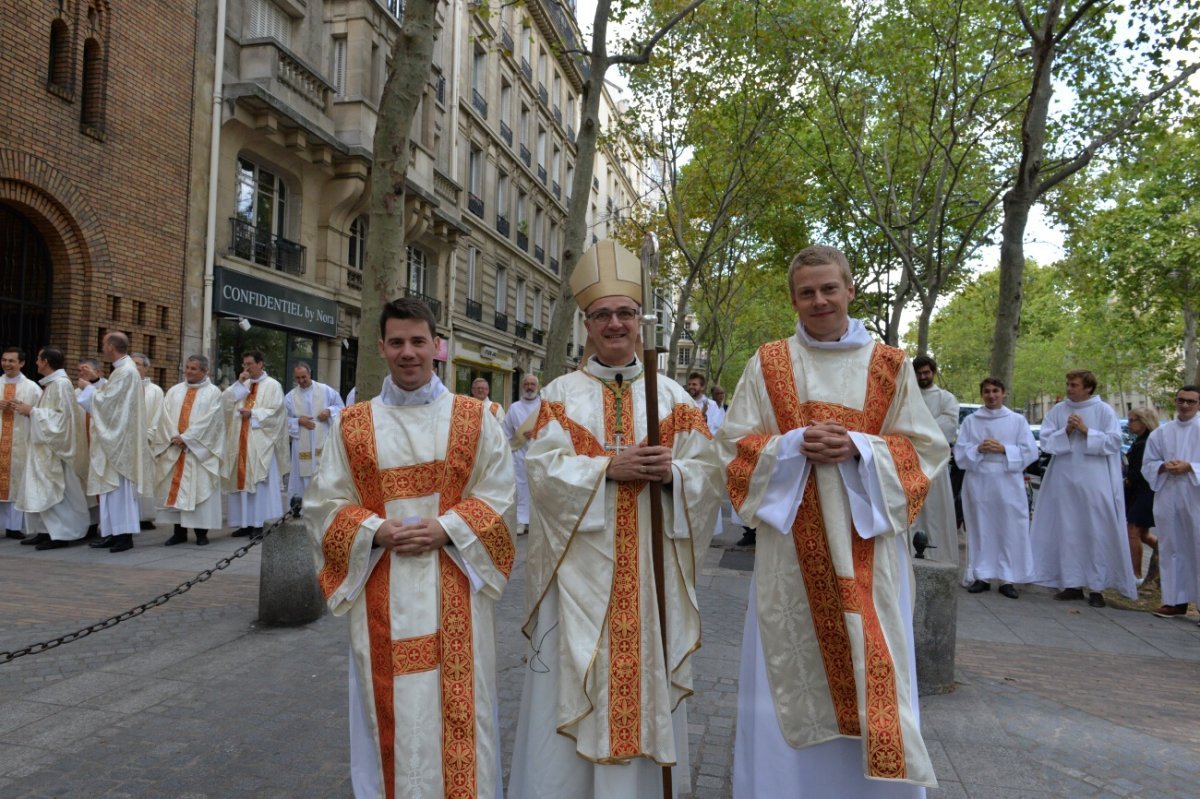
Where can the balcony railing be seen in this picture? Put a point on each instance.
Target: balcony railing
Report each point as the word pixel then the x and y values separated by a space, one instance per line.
pixel 506 38
pixel 475 204
pixel 354 279
pixel 541 172
pixel 557 115
pixel 554 265
pixel 501 321
pixel 526 156
pixel 521 329
pixel 556 190
pixel 434 304
pixel 595 184
pixel 543 95
pixel 538 336
pixel 502 225
pixel 523 241
pixel 474 310
pixel 439 90
pixel 506 134
pixel 264 248
pixel 526 70
pixel 539 254
pixel 570 134
pixel 479 103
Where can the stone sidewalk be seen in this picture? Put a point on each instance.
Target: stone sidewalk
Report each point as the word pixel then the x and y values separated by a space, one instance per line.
pixel 195 700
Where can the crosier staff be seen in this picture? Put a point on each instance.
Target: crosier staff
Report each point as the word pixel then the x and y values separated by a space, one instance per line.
pixel 649 258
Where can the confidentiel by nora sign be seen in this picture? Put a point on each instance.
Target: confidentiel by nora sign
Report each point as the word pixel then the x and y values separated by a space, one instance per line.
pixel 236 294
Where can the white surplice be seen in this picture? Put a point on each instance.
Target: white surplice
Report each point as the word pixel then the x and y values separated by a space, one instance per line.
pixel 121 466
pixel 827 702
pixel 1078 533
pixel 308 444
pixel 14 446
pixel 189 481
pixel 431 719
pixel 518 413
pixel 596 716
pixel 1176 508
pixel 937 516
pixel 255 451
pixel 995 506
pixel 52 495
pixel 154 410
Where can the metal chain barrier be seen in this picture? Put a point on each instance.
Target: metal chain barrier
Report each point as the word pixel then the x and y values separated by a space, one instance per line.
pixel 161 599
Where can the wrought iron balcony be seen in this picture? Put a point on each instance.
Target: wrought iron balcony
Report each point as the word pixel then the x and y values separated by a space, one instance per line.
pixel 521 329
pixel 506 38
pixel 523 241
pixel 479 103
pixel 570 134
pixel 439 90
pixel 541 172
pixel 506 134
pixel 543 95
pixel 554 265
pixel 526 156
pixel 556 190
pixel 538 336
pixel 595 184
pixel 539 254
pixel 474 310
pixel 501 321
pixel 526 70
pixel 502 225
pixel 475 204
pixel 434 304
pixel 264 248
pixel 557 115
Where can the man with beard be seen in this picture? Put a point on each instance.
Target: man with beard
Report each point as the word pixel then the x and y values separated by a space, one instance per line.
pixel 937 518
pixel 518 434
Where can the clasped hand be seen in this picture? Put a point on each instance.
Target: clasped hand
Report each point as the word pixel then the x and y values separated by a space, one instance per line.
pixel 412 539
pixel 991 445
pixel 1177 467
pixel 641 463
pixel 828 442
pixel 1075 424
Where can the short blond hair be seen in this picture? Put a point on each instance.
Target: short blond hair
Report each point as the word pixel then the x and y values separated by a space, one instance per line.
pixel 820 255
pixel 1146 416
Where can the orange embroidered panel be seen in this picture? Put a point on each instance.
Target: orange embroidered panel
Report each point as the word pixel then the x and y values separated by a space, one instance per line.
pixel 581 438
pixel 379 633
pixel 625 631
pixel 908 469
pixel 742 467
pixel 490 529
pixel 244 438
pixel 684 418
pixel 458 683
pixel 336 545
pixel 413 655
pixel 185 415
pixel 407 482
pixel 6 442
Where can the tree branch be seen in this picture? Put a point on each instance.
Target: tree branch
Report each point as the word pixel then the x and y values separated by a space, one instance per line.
pixel 643 55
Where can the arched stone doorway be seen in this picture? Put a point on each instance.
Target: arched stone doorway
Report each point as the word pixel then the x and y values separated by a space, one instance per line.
pixel 26 278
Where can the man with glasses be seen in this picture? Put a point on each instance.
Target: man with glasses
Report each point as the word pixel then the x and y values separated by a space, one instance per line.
pixel 599 715
pixel 1172 468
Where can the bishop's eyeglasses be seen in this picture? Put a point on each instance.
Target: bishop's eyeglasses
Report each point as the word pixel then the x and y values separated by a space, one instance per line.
pixel 604 315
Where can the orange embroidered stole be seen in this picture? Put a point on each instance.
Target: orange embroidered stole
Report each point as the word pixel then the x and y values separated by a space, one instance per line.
pixel 831 596
pixel 244 438
pixel 185 414
pixel 7 421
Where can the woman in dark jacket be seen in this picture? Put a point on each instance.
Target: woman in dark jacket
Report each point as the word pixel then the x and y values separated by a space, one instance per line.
pixel 1139 497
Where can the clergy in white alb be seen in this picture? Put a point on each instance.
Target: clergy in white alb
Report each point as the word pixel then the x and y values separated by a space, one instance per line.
pixel 255 447
pixel 121 466
pixel 154 409
pixel 602 709
pixel 937 518
pixel 1172 468
pixel 52 495
pixel 518 426
pixel 411 516
pixel 480 388
pixel 829 452
pixel 1078 533
pixel 994 446
pixel 311 408
pixel 14 437
pixel 189 444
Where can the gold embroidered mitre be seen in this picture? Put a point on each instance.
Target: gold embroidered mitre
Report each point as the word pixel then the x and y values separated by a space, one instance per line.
pixel 606 270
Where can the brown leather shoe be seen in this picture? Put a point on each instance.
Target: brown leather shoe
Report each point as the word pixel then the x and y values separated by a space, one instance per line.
pixel 1171 611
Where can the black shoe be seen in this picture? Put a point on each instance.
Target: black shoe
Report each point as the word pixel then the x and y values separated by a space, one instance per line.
pixel 93 531
pixel 241 532
pixel 16 535
pixel 51 544
pixel 1096 599
pixel 35 540
pixel 103 543
pixel 255 532
pixel 201 537
pixel 749 537
pixel 1008 590
pixel 979 586
pixel 177 537
pixel 145 525
pixel 1067 594
pixel 124 543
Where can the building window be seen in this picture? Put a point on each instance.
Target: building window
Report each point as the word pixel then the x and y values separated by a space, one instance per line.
pixel 268 21
pixel 521 293
pixel 94 78
pixel 537 309
pixel 260 215
pixel 418 270
pixel 472 267
pixel 358 244
pixel 501 290
pixel 396 8
pixel 337 70
pixel 58 74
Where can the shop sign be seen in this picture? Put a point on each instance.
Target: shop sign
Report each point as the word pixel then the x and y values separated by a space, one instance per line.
pixel 235 294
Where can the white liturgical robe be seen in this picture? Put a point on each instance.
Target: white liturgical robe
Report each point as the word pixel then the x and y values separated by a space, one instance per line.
pixel 14 446
pixel 154 410
pixel 52 494
pixel 121 466
pixel 937 516
pixel 255 451
pixel 1078 533
pixel 1176 508
pixel 827 701
pixel 423 696
pixel 307 444
pixel 514 429
pixel 599 717
pixel 995 506
pixel 189 479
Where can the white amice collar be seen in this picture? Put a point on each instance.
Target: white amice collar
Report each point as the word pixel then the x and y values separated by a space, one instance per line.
pixel 16 379
pixel 201 384
pixel 1092 400
pixel 999 413
pixel 120 361
pixel 392 394
pixel 629 372
pixel 856 336
pixel 55 375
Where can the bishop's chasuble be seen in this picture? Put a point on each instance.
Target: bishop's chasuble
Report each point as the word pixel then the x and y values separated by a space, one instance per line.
pixel 598 714
pixel 422 667
pixel 122 468
pixel 52 487
pixel 189 481
pixel 14 445
pixel 828 688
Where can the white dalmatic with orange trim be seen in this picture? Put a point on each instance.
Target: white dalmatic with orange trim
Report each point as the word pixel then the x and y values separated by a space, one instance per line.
pixel 188 481
pixel 423 699
pixel 827 700
pixel 256 451
pixel 14 445
pixel 598 715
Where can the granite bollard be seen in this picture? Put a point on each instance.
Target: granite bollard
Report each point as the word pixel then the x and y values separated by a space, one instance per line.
pixel 288 592
pixel 934 625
